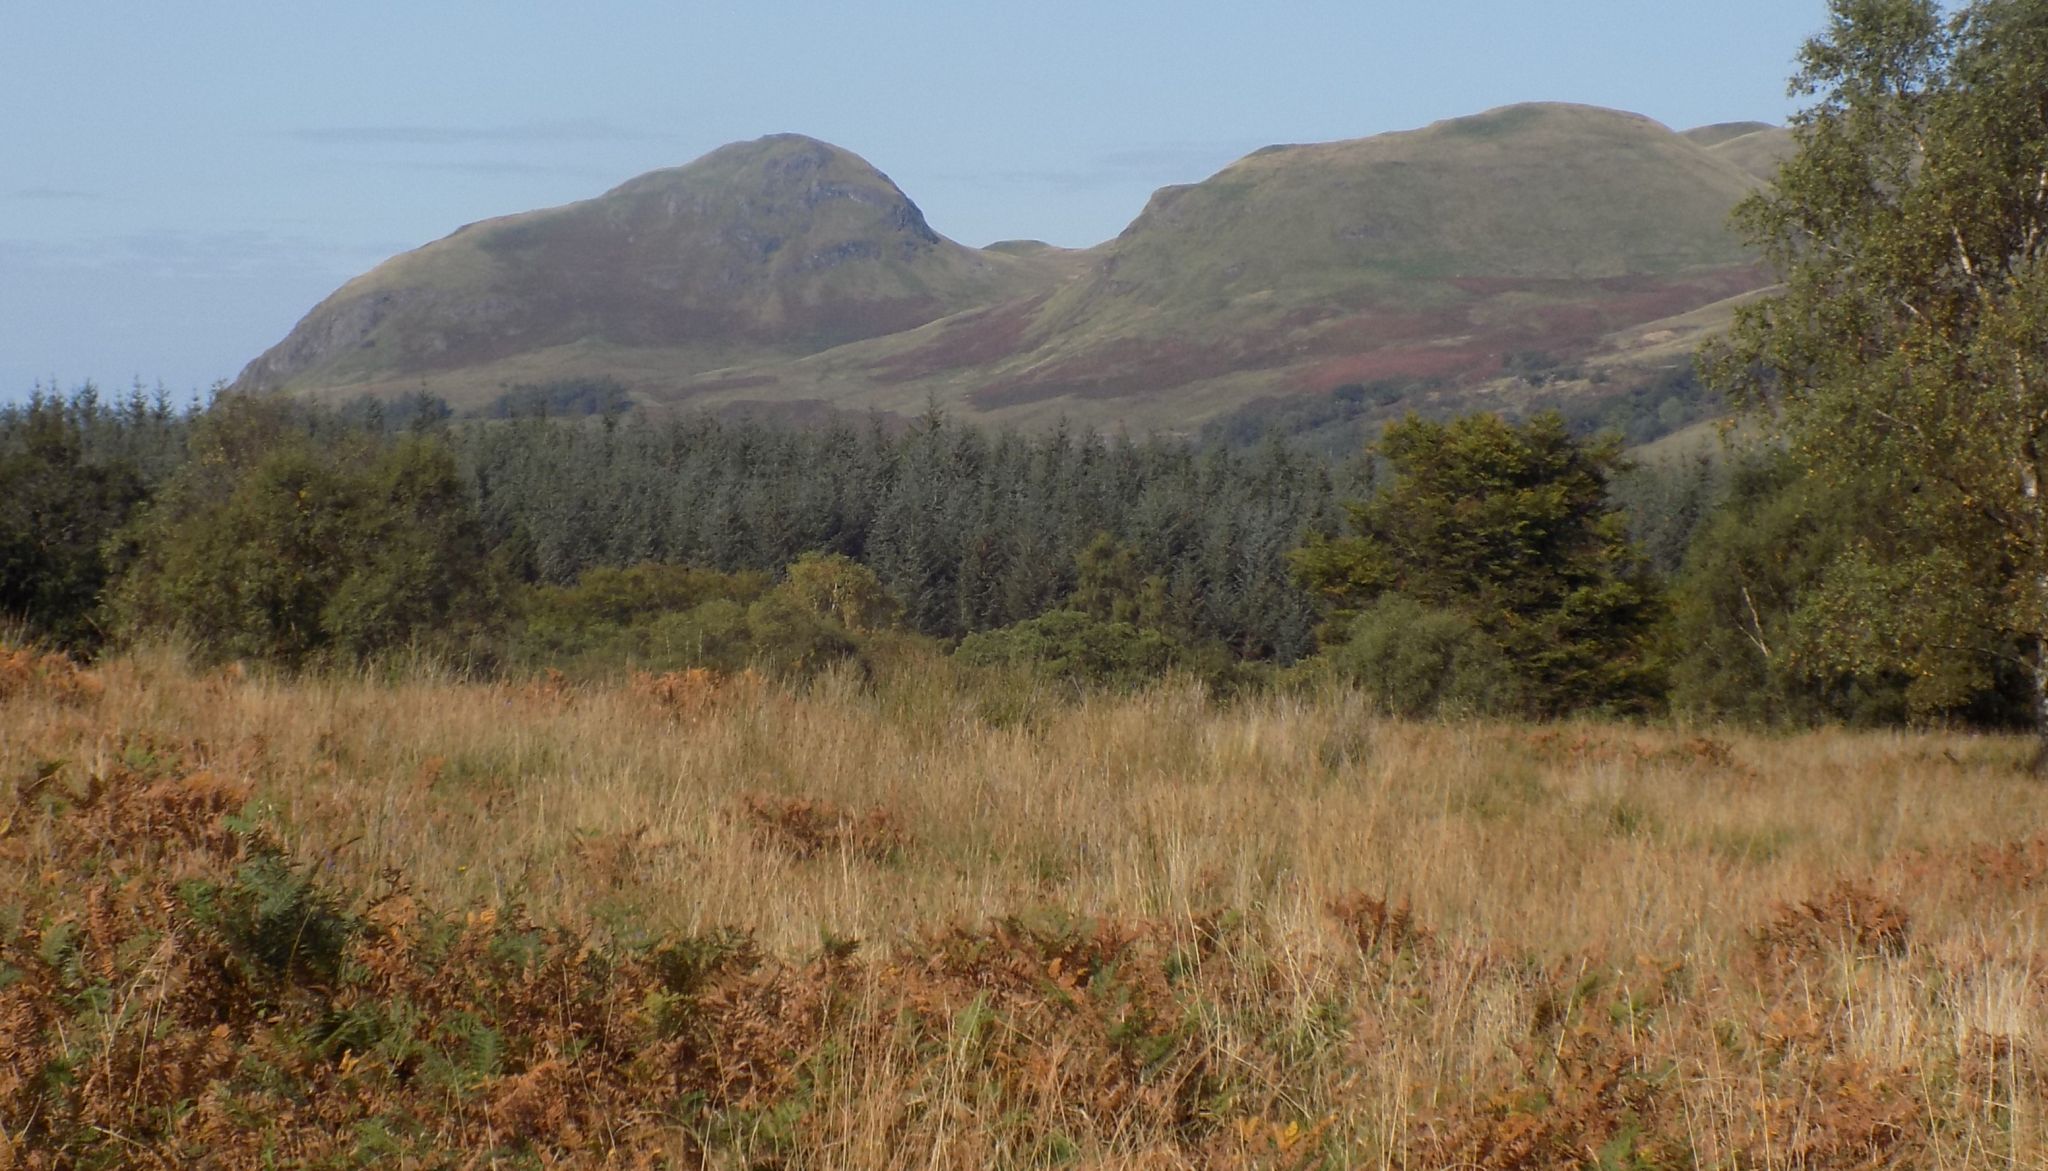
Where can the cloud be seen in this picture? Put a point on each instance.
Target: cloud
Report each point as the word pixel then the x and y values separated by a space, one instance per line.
pixel 52 194
pixel 576 130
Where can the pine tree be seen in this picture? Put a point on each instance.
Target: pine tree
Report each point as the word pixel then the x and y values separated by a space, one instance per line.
pixel 1508 527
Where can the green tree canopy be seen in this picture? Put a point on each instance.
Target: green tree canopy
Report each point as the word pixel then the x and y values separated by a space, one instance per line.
pixel 835 586
pixel 1751 611
pixel 57 509
pixel 1509 528
pixel 1076 647
pixel 269 546
pixel 1908 349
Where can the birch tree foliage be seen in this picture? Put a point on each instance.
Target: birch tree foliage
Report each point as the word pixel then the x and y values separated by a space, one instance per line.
pixel 1908 346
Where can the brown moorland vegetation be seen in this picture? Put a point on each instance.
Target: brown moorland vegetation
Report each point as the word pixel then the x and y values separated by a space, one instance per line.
pixel 928 920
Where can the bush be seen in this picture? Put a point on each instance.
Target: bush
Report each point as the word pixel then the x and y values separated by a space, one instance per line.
pixel 657 617
pixel 1510 527
pixel 1074 646
pixel 1419 661
pixel 274 916
pixel 788 638
pixel 672 618
pixel 57 509
pixel 838 587
pixel 713 635
pixel 269 546
pixel 622 597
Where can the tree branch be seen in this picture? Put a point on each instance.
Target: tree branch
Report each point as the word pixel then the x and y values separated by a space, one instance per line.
pixel 1969 266
pixel 1756 632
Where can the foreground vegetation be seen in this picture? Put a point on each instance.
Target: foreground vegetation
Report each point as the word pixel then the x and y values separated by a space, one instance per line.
pixel 960 920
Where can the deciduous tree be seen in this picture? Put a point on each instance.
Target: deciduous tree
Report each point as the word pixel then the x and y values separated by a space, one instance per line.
pixel 1908 348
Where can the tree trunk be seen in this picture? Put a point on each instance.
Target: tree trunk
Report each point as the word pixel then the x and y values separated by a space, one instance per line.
pixel 2037 517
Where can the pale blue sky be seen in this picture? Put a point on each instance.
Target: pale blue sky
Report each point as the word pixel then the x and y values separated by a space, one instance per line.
pixel 180 183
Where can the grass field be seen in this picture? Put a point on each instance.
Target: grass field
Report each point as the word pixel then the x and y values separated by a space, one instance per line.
pixel 946 922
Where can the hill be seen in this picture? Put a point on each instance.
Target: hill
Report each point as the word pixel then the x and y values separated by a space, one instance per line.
pixel 774 248
pixel 1719 132
pixel 1541 244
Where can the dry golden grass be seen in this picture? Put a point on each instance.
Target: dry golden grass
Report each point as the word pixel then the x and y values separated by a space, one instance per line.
pixel 1164 931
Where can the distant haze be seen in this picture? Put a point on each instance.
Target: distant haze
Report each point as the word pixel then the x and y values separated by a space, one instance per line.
pixel 179 185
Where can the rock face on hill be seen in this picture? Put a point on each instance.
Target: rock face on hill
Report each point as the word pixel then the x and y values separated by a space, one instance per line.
pixel 786 272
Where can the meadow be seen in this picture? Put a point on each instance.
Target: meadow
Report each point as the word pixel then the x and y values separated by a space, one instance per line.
pixel 944 919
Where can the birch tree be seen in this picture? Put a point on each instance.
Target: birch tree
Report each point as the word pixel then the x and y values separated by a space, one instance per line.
pixel 1908 345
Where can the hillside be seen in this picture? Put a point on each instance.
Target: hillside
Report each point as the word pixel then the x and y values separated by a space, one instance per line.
pixel 1759 152
pixel 774 248
pixel 1563 245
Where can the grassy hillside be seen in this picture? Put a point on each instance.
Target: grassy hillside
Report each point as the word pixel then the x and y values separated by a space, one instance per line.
pixel 698 922
pixel 1760 152
pixel 788 274
pixel 1442 257
pixel 1535 192
pixel 1720 132
pixel 781 246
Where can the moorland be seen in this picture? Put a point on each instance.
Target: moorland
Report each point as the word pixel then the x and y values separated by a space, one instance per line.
pixel 698 920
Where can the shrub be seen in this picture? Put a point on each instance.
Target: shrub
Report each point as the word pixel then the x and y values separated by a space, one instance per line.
pixel 1510 527
pixel 657 617
pixel 787 638
pixel 274 915
pixel 672 618
pixel 1416 661
pixel 842 589
pixel 57 509
pixel 1070 645
pixel 268 546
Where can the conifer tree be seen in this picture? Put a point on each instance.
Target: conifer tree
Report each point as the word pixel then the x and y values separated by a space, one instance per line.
pixel 1510 528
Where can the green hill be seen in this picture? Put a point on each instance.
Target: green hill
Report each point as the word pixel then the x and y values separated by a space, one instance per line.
pixel 1720 132
pixel 1546 243
pixel 1533 192
pixel 1458 260
pixel 774 248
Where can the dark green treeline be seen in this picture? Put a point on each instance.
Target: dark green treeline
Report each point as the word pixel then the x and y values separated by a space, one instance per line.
pixel 1476 565
pixel 969 531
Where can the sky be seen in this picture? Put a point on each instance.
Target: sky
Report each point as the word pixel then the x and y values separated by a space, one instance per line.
pixel 180 183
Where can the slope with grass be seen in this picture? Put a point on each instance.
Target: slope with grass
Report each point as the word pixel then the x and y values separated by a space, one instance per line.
pixel 1438 258
pixel 1756 147
pixel 779 247
pixel 788 274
